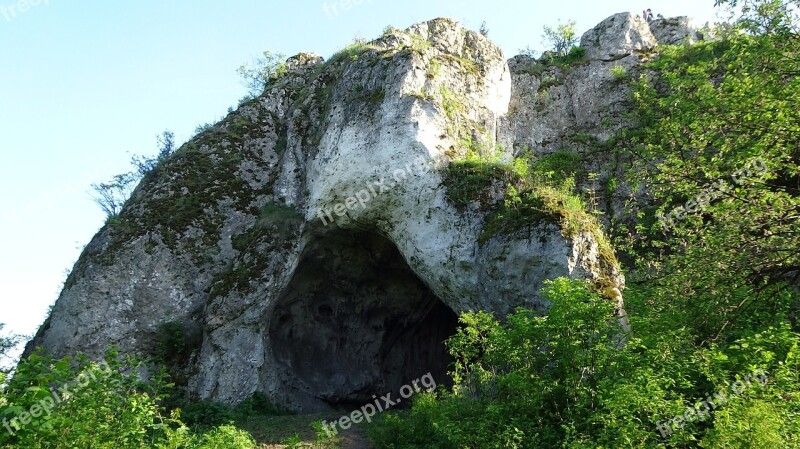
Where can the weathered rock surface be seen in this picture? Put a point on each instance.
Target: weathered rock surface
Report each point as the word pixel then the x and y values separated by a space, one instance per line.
pixel 618 36
pixel 675 31
pixel 307 244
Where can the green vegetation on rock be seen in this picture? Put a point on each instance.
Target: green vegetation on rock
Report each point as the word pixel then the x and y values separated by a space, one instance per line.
pixel 524 193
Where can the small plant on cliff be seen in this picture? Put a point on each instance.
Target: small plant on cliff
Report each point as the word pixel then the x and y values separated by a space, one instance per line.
pixel 618 72
pixel 112 195
pixel 484 29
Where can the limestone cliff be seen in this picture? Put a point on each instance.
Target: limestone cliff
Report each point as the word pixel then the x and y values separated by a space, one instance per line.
pixel 309 246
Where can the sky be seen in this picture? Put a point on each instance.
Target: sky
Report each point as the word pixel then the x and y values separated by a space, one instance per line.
pixel 85 84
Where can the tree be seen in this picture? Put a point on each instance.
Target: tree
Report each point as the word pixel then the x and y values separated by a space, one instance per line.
pixel 7 344
pixel 764 16
pixel 561 38
pixel 718 143
pixel 257 75
pixel 112 195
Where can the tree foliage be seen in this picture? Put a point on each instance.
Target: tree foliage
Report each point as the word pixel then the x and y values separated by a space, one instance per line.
pixel 562 381
pixel 764 16
pixel 721 120
pixel 561 38
pixel 7 344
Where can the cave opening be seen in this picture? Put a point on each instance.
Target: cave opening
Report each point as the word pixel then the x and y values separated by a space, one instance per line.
pixel 356 322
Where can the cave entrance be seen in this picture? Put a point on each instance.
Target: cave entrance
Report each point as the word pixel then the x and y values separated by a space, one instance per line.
pixel 355 321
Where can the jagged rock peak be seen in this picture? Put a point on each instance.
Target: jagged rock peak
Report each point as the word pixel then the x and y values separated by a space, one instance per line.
pixel 625 33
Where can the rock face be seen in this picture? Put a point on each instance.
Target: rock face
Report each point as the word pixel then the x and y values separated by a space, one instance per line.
pixel 618 36
pixel 306 245
pixel 675 31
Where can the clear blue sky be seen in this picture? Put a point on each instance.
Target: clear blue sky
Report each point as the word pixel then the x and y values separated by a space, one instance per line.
pixel 86 83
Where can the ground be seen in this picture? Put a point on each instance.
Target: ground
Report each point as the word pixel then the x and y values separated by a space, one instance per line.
pixel 271 431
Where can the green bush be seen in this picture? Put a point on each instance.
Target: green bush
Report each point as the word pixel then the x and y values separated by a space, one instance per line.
pixel 209 414
pixel 566 380
pixel 576 55
pixel 517 384
pixel 76 403
pixel 260 404
pixel 206 414
pixel 226 437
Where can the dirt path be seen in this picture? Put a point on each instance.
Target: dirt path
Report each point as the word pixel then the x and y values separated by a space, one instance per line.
pixel 356 439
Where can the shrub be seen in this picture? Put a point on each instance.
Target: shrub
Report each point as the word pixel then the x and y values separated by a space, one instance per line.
pixel 563 380
pixel 576 55
pixel 519 384
pixel 75 403
pixel 260 404
pixel 207 414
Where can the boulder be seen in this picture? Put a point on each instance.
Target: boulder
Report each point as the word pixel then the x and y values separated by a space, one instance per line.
pixel 618 36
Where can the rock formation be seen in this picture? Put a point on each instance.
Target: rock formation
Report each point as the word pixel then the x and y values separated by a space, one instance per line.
pixel 306 245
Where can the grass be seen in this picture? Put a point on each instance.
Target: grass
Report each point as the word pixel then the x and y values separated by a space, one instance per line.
pixel 418 43
pixel 371 98
pixel 434 69
pixel 471 182
pixel 301 431
pixel 424 95
pixel 270 425
pixel 576 56
pixel 535 69
pixel 270 430
pixel 452 104
pixel 559 165
pixel 466 65
pixel 273 217
pixel 618 72
pixel 550 81
pixel 350 53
